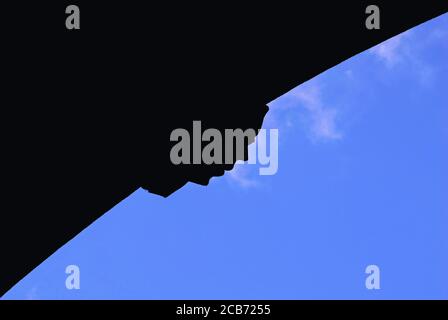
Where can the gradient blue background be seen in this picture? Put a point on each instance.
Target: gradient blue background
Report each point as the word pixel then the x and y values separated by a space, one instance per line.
pixel 363 179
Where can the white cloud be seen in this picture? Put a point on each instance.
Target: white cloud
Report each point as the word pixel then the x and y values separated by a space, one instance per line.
pixel 349 74
pixel 405 49
pixel 321 120
pixel 241 175
pixel 324 124
pixel 440 32
pixel 32 294
pixel 390 51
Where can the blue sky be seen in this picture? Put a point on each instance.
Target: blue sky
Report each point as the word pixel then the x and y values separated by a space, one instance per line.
pixel 362 179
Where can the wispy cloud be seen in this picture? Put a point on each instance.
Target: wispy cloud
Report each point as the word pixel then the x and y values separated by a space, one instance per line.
pixel 242 176
pixel 322 119
pixel 305 104
pixel 440 32
pixel 391 51
pixel 32 294
pixel 404 50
